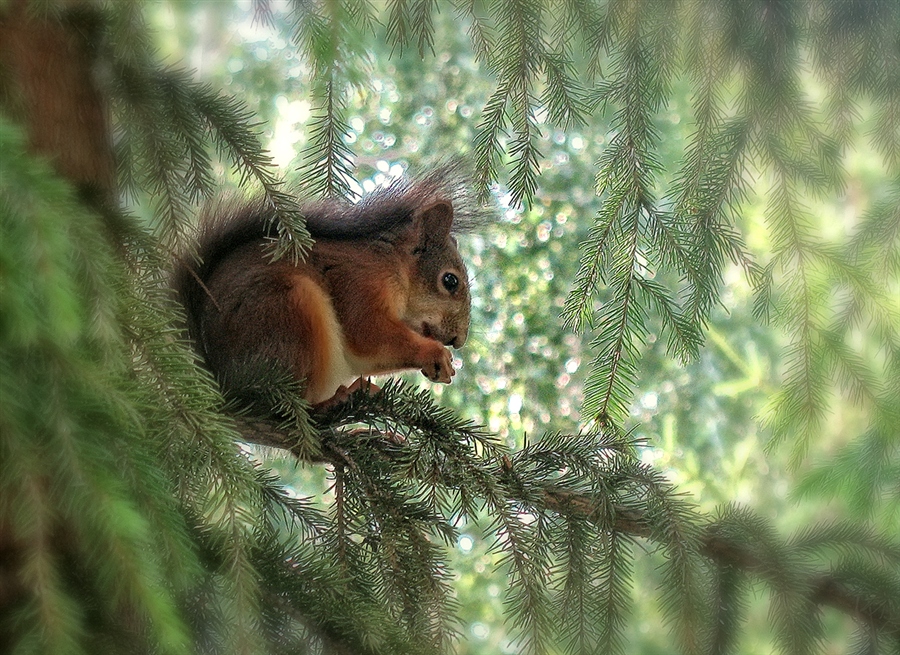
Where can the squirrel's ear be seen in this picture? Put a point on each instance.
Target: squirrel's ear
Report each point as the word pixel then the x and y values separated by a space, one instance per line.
pixel 433 223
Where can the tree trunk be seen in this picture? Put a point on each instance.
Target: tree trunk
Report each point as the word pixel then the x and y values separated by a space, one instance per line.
pixel 48 83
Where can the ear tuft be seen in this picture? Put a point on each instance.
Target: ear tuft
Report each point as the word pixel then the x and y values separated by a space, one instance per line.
pixel 434 222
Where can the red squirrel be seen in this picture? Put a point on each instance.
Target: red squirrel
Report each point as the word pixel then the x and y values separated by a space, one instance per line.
pixel 383 289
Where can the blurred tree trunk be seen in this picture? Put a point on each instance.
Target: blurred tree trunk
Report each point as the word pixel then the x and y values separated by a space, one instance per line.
pixel 48 84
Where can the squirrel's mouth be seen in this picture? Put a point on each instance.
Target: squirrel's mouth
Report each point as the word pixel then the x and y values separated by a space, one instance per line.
pixel 428 332
pixel 425 328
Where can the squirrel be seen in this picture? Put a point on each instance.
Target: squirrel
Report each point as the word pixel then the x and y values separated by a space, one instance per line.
pixel 383 289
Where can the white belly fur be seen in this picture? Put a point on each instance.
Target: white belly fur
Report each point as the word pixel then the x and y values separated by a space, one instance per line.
pixel 343 366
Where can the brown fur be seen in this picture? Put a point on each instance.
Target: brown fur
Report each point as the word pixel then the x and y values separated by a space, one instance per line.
pixel 369 298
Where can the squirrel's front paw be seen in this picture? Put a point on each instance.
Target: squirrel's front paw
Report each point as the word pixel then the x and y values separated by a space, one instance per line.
pixel 441 369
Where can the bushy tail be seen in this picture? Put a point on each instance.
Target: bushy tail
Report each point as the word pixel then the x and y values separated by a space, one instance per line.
pixel 224 227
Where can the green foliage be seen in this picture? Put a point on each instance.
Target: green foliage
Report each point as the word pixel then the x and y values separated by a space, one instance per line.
pixel 94 516
pixel 137 524
pixel 166 124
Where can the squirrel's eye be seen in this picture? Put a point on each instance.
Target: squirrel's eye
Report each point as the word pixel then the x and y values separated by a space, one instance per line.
pixel 450 282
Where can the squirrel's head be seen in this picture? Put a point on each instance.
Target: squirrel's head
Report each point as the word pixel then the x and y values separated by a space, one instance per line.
pixel 438 302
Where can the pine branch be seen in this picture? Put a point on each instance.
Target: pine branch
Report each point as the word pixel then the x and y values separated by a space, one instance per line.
pixel 735 552
pixel 611 377
pixel 85 485
pixel 412 21
pixel 519 57
pixel 301 585
pixel 234 130
pixel 710 186
pixel 584 19
pixel 172 120
pixel 728 600
pixel 876 452
pixel 578 313
pixel 629 228
pixel 328 36
pixel 527 559
pixel 822 589
pixel 488 147
pixel 800 406
pixel 327 164
pixel 576 603
pixel 479 30
pixel 728 548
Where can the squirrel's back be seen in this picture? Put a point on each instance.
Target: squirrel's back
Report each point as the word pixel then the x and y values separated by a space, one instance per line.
pixel 227 225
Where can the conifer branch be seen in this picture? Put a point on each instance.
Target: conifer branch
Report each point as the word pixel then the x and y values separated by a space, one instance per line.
pixel 479 30
pixel 412 21
pixel 733 553
pixel 488 147
pixel 325 35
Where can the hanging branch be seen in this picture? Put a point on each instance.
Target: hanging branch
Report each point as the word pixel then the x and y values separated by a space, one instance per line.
pixel 328 35
pixel 517 52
